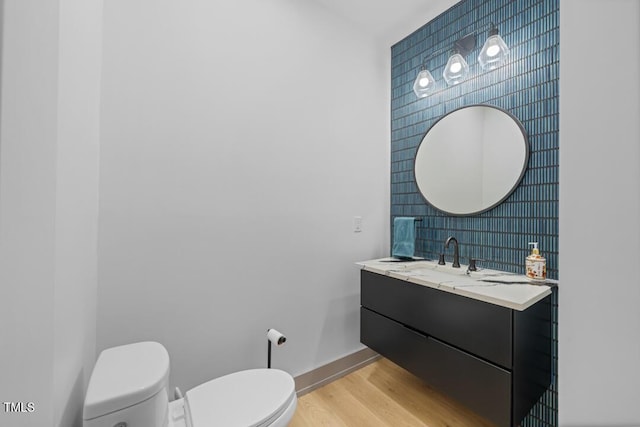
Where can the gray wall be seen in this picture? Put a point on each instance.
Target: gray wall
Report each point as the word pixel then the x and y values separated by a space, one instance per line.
pixel 80 54
pixel 599 321
pixel 27 207
pixel 238 141
pixel 48 207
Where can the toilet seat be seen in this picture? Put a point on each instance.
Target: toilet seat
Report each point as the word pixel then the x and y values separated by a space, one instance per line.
pixel 251 398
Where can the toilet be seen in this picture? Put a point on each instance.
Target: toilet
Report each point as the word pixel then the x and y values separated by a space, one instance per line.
pixel 129 388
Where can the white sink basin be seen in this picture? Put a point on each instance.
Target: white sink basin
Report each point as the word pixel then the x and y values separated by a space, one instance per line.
pixel 425 266
pixel 431 275
pixel 480 273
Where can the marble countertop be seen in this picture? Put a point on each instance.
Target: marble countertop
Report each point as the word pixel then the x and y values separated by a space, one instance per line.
pixel 496 287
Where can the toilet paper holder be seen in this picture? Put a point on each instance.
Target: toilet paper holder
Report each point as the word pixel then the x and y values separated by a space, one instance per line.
pixel 275 337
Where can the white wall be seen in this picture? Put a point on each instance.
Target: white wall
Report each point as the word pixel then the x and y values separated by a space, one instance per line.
pixel 599 319
pixel 238 140
pixel 48 207
pixel 76 206
pixel 27 207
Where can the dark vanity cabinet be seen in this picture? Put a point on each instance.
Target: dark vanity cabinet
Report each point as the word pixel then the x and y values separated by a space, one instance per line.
pixel 492 359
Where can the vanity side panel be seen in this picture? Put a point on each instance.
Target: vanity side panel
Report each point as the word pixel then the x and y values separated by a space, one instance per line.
pixel 532 358
pixel 480 328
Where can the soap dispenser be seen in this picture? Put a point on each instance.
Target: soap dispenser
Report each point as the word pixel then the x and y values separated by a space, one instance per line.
pixel 536 265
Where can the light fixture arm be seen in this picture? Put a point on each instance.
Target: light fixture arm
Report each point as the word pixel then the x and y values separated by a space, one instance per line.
pixel 493 31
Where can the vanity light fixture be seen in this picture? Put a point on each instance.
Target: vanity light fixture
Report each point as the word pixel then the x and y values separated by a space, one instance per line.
pixel 457 68
pixel 494 52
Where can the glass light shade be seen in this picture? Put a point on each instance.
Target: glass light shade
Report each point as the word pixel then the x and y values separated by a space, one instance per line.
pixel 424 83
pixel 494 53
pixel 456 69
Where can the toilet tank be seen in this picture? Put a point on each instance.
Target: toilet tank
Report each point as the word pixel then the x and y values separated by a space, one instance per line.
pixel 128 387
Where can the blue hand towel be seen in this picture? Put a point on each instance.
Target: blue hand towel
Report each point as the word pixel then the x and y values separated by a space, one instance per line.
pixel 404 237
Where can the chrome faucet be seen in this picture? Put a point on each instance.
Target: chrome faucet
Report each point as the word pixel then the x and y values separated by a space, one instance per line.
pixel 456 254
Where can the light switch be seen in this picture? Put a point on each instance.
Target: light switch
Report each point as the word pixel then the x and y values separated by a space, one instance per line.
pixel 357 224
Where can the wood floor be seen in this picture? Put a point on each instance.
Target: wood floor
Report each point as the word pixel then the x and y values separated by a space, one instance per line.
pixel 381 394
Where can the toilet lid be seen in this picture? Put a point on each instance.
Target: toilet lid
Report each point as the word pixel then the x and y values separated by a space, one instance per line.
pixel 251 398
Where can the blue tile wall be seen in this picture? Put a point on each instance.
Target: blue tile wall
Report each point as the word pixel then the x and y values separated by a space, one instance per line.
pixel 527 87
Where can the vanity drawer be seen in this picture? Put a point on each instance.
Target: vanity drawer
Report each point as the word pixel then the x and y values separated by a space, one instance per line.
pixel 481 386
pixel 478 327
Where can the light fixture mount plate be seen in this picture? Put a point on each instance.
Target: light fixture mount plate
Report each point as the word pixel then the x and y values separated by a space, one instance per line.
pixel 465 45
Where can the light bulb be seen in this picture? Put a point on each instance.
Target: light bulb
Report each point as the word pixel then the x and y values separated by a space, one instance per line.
pixel 455 67
pixel 423 82
pixel 493 50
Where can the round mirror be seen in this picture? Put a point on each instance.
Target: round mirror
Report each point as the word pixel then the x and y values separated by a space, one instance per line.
pixel 471 160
